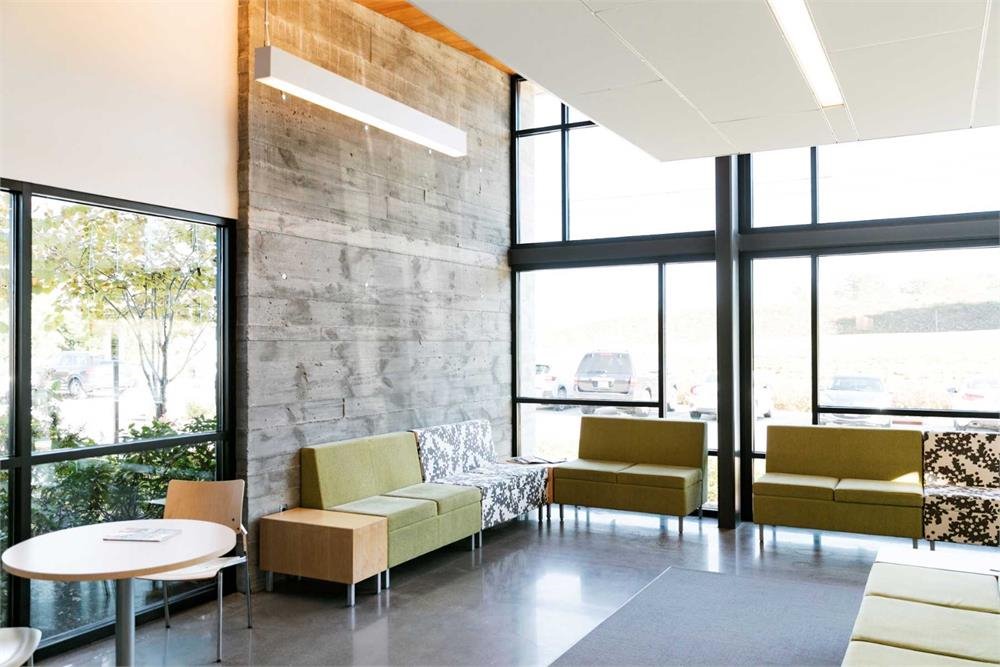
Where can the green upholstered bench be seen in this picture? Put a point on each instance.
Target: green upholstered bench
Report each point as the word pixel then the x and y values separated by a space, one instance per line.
pixel 380 475
pixel 639 465
pixel 926 615
pixel 847 479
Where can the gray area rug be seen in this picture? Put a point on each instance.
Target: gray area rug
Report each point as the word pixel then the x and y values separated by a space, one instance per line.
pixel 687 617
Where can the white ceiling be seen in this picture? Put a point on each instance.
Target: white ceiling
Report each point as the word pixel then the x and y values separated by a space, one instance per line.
pixel 698 78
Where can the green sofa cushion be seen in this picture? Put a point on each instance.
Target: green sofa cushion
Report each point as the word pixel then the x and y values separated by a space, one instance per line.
pixel 949 588
pixel 856 453
pixel 867 654
pixel 929 628
pixel 400 512
pixel 448 497
pixel 651 474
pixel 788 485
pixel 662 441
pixel 590 469
pixel 339 472
pixel 877 492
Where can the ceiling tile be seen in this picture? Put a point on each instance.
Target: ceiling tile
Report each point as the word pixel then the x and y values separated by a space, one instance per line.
pixel 807 128
pixel 987 111
pixel 849 24
pixel 729 58
pixel 654 118
pixel 559 44
pixel 840 120
pixel 912 87
pixel 605 5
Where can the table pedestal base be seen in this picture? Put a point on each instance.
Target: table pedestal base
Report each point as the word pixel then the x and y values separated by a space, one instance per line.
pixel 124 623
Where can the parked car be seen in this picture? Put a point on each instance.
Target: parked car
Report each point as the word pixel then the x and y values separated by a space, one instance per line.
pixel 705 399
pixel 547 384
pixel 978 394
pixel 613 376
pixel 857 391
pixel 78 374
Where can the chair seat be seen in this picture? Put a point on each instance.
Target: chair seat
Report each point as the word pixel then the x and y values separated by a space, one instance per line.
pixel 788 485
pixel 879 492
pixel 651 474
pixel 400 512
pixel 591 470
pixel 448 497
pixel 17 645
pixel 964 514
pixel 949 588
pixel 205 570
pixel 930 628
pixel 868 654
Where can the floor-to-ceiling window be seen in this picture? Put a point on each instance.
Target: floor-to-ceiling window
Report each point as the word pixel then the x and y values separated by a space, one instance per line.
pixel 116 323
pixel 869 283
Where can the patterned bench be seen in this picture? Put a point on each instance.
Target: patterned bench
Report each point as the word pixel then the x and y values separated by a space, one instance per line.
pixel 463 454
pixel 962 488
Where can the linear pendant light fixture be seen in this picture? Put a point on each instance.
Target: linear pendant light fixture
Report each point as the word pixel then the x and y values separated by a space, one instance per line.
pixel 301 78
pixel 796 23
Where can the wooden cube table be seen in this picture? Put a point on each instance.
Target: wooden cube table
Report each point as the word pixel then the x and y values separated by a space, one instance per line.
pixel 319 544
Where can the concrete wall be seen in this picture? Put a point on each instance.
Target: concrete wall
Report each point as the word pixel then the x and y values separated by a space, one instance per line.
pixel 373 289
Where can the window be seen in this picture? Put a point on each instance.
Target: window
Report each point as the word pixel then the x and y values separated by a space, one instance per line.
pixel 539 188
pixel 536 107
pixel 123 325
pixel 932 174
pixel 125 358
pixel 908 330
pixel 782 188
pixel 617 190
pixel 782 344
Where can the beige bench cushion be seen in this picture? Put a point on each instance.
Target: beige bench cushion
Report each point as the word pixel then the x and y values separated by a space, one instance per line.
pixel 592 470
pixel 449 497
pixel 652 474
pixel 878 492
pixel 929 628
pixel 400 512
pixel 795 486
pixel 963 590
pixel 867 654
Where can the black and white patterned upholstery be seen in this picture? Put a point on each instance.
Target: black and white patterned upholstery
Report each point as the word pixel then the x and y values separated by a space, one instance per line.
pixel 463 454
pixel 962 487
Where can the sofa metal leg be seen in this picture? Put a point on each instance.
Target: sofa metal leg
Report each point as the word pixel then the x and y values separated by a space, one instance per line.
pixel 386 578
pixel 472 542
pixel 378 583
pixel 539 514
pixel 680 525
pixel 548 511
pixel 915 543
pixel 931 542
pixel 701 512
pixel 663 522
pixel 560 512
pixel 269 581
pixel 479 538
pixel 350 595
pixel 760 535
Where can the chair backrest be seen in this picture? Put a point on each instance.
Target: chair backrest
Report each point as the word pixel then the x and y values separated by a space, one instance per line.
pixel 340 472
pixel 962 459
pixel 856 453
pixel 662 441
pixel 450 449
pixel 219 502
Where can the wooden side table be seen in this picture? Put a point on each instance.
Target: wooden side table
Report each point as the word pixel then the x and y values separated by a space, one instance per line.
pixel 320 544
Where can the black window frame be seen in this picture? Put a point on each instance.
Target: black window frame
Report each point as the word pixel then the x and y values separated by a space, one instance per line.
pixel 19 458
pixel 734 237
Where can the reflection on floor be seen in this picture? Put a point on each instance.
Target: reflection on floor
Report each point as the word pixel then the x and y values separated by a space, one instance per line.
pixel 526 598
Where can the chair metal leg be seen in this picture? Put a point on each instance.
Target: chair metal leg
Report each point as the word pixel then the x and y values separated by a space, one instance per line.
pixel 760 535
pixel 166 605
pixel 350 595
pixel 218 613
pixel 915 543
pixel 246 570
pixel 931 542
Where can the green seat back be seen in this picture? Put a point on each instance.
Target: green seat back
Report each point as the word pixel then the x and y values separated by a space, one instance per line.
pixel 340 472
pixel 661 441
pixel 859 453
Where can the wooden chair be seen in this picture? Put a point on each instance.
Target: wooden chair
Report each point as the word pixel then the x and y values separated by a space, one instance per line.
pixel 219 502
pixel 17 646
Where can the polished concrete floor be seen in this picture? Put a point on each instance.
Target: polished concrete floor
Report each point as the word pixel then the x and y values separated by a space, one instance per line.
pixel 531 593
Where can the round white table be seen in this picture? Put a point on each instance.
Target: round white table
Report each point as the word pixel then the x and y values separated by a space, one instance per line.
pixel 82 554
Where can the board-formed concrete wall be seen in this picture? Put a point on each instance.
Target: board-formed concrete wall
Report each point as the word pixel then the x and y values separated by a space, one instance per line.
pixel 373 293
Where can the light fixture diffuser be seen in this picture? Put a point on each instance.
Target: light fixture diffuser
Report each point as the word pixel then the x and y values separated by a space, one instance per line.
pixel 800 32
pixel 301 78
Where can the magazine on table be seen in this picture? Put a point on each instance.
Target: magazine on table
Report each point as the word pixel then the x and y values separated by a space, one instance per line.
pixel 533 460
pixel 141 535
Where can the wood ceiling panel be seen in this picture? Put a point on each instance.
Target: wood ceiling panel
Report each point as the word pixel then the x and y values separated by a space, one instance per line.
pixel 416 20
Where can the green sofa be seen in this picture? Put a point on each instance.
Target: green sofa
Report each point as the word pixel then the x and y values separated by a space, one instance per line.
pixel 858 480
pixel 927 614
pixel 639 465
pixel 380 475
